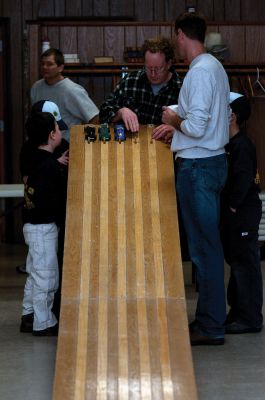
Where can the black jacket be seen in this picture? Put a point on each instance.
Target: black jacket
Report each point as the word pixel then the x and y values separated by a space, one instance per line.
pixel 45 191
pixel 241 191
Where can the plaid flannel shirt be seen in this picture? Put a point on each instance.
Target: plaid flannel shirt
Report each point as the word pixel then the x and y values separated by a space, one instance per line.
pixel 135 92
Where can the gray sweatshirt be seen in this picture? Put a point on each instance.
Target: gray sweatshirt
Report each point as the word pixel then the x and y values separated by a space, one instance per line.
pixel 73 101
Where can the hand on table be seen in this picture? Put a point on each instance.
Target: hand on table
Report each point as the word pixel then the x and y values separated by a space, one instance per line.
pixel 130 119
pixel 163 132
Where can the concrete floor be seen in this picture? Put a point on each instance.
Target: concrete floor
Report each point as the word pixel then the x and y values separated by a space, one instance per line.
pixel 235 371
pixel 230 372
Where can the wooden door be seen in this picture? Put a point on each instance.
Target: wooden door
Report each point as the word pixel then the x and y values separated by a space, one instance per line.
pixel 4 96
pixel 2 100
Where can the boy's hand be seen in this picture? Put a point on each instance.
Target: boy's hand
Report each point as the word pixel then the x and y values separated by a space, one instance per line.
pixel 64 159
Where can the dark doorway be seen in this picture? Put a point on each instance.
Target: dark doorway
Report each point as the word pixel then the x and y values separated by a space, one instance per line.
pixel 5 156
pixel 4 98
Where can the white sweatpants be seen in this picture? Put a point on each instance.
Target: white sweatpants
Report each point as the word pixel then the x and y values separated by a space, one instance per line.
pixel 43 278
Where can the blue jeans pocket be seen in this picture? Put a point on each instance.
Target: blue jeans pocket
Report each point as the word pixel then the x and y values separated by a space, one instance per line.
pixel 214 177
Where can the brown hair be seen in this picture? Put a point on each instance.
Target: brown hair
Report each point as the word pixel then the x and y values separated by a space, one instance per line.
pixel 38 126
pixel 58 55
pixel 192 24
pixel 160 45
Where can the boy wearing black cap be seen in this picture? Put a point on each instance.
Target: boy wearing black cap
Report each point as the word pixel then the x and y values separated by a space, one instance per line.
pixel 241 210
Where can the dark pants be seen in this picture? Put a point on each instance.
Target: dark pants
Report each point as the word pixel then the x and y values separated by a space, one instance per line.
pixel 244 292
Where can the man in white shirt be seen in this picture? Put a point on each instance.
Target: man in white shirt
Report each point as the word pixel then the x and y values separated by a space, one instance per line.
pixel 201 132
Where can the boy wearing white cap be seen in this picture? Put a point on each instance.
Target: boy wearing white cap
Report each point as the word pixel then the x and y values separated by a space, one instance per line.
pixel 60 153
pixel 43 214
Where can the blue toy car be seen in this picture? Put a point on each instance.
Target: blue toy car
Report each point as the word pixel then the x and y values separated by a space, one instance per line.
pixel 120 133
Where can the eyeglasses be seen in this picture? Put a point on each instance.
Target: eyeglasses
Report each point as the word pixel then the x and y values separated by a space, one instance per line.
pixel 155 70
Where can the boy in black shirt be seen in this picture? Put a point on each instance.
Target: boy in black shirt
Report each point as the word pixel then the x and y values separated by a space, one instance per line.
pixel 43 213
pixel 241 208
pixel 27 155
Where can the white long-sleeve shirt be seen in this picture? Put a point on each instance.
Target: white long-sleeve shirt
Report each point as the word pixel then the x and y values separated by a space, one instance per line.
pixel 204 105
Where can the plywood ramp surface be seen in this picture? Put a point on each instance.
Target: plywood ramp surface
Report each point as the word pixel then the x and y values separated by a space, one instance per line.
pixel 123 328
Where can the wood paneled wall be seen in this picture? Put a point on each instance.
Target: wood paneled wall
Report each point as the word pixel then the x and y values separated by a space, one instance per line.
pixel 90 39
pixel 245 41
pixel 18 11
pixel 148 10
pixel 255 130
pixel 151 10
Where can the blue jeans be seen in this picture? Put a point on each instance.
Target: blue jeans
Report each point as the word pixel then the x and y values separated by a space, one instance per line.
pixel 199 183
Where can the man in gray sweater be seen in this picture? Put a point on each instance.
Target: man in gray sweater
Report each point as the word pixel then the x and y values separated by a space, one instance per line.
pixel 73 101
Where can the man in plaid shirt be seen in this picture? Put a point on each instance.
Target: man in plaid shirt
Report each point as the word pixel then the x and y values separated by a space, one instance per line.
pixel 140 96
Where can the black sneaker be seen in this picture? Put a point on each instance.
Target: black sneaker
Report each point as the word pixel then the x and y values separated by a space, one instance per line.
pixel 51 331
pixel 196 339
pixel 236 328
pixel 27 323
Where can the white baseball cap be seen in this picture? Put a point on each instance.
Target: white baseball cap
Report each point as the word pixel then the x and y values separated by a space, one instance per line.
pixel 234 96
pixel 240 106
pixel 49 106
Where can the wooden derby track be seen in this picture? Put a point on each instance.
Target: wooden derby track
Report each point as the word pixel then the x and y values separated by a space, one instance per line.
pixel 123 329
